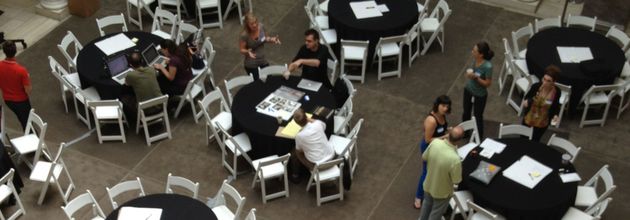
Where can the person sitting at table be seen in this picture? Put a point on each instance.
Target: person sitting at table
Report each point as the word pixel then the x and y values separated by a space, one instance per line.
pixel 176 74
pixel 313 58
pixel 542 103
pixel 311 144
pixel 142 80
pixel 252 44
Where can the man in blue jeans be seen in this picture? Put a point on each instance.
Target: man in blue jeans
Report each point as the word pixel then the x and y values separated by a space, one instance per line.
pixel 15 84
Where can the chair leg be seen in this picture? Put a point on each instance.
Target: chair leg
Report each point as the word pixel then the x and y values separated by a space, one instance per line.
pixel 122 130
pixel 179 106
pixel 42 193
pixel 263 190
pixel 584 115
pixel 98 131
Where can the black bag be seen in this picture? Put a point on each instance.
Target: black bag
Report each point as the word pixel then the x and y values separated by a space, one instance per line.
pixel 347 177
pixel 197 62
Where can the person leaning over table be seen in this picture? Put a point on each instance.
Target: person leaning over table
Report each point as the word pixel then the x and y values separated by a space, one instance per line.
pixel 142 80
pixel 478 81
pixel 313 58
pixel 542 103
pixel 311 144
pixel 175 75
pixel 444 171
pixel 252 44
pixel 15 84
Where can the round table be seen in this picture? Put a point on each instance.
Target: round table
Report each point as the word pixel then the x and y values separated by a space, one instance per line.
pixel 91 64
pixel 550 199
pixel 174 207
pixel 262 128
pixel 542 52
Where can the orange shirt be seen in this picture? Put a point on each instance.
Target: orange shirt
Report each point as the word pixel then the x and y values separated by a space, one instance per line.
pixel 13 78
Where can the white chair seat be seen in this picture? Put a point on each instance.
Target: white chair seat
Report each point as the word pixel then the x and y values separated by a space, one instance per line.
pixel 338 121
pixel 135 2
pixel 98 218
pixel 41 169
pixel 598 98
pixel 269 171
pixel 90 95
pixel 522 65
pixel 523 84
pixel 625 72
pixel 208 3
pixel 522 53
pixel 25 144
pixel 330 36
pixel 339 143
pixel 196 90
pixel 429 25
pixel 324 6
pixel 462 196
pixel 224 119
pixel 5 191
pixel 329 174
pixel 322 21
pixel 420 7
pixel 223 212
pixel 479 216
pixel 390 49
pixel 243 141
pixel 576 214
pixel 161 34
pixel 106 112
pixel 73 78
pixel 586 196
pixel 353 53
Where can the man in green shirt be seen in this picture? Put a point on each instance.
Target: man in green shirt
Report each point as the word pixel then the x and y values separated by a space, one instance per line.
pixel 444 169
pixel 142 80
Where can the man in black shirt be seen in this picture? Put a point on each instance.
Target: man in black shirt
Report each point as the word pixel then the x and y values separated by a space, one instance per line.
pixel 313 58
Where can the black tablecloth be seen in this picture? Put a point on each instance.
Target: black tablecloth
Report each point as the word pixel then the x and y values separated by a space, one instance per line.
pixel 92 61
pixel 262 128
pixel 548 200
pixel 174 207
pixel 542 52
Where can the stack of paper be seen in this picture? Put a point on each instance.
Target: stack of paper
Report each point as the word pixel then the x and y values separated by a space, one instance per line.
pixel 114 44
pixel 365 9
pixel 574 54
pixel 492 145
pixel 570 177
pixel 464 150
pixel 135 213
pixel 527 172
pixel 293 128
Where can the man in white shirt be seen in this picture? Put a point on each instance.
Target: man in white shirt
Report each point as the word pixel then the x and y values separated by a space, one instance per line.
pixel 311 143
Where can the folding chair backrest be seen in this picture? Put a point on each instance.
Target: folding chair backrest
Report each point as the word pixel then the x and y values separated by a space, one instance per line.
pixel 227 189
pixel 68 40
pixel 332 70
pixel 597 209
pixel 398 39
pixel 185 29
pixel 619 36
pixel 114 103
pixel 564 89
pixel 355 130
pixel 237 147
pixel 524 32
pixel 607 178
pixel 608 89
pixel 584 21
pixel 355 43
pixel 81 201
pixel 236 82
pixel 209 53
pixel 130 185
pixel 515 129
pixel 206 101
pixel 196 80
pixel 167 15
pixel 471 125
pixel 312 6
pixel 349 85
pixel 547 23
pixel 318 168
pixel 565 145
pixel 474 208
pixel 441 11
pixel 111 20
pixel 54 67
pixel 284 159
pixel 182 182
pixel 251 215
pixel 153 102
pixel 35 125
pixel 273 70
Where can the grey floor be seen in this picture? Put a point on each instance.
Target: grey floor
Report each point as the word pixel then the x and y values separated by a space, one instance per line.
pixel 393 108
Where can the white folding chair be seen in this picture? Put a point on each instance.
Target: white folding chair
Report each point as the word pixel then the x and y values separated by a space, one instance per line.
pixel 59 72
pixel 342 120
pixel 33 139
pixel 139 4
pixel 619 36
pixel 506 69
pixel 413 35
pixel 546 23
pixel 459 203
pixel 597 95
pixel 349 87
pixel 193 89
pixel 577 20
pixel 347 147
pixel 515 129
pixel 522 34
pixel 84 200
pixel 587 193
pixel 622 91
pixel 82 96
pixel 317 17
pixel 323 6
pixel 434 24
pixel 7 189
pixel 423 8
pixel 273 70
pixel 594 212
pixel 50 173
pixel 522 83
pixel 326 172
pixel 158 28
pixel 181 182
pixel 184 30
pixel 208 52
pixel 234 83
pixel 389 48
pixel 123 187
pixel 223 117
pixel 239 6
pixel 327 37
pixel 565 96
pixel 565 145
pixel 252 213
pixel 477 212
pixel 269 168
pixel 108 112
pixel 209 7
pixel 332 70
pixel 471 125
pixel 221 209
pixel 70 42
pixel 111 20
pixel 356 53
pixel 149 113
pixel 237 145
pixel 176 4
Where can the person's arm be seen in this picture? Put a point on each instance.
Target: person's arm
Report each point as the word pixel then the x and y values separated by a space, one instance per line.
pixel 26 81
pixel 244 50
pixel 485 81
pixel 170 73
pixel 527 100
pixel 456 173
pixel 28 89
pixel 425 155
pixel 555 105
pixel 429 128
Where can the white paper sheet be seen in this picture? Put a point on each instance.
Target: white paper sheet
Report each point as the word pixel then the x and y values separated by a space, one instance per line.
pixel 495 146
pixel 114 44
pixel 487 153
pixel 574 54
pixel 135 213
pixel 365 9
pixel 464 150
pixel 382 8
pixel 309 85
pixel 570 177
pixel 527 172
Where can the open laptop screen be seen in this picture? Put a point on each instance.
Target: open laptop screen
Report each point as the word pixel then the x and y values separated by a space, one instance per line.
pixel 117 65
pixel 149 54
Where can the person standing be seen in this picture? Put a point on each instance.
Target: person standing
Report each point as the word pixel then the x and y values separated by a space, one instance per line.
pixel 15 84
pixel 313 58
pixel 445 170
pixel 479 79
pixel 435 126
pixel 252 44
pixel 542 103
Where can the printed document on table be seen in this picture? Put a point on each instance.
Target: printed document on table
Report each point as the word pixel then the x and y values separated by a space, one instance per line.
pixel 383 8
pixel 293 128
pixel 570 177
pixel 134 213
pixel 527 172
pixel 464 150
pixel 574 54
pixel 365 9
pixel 492 145
pixel 115 43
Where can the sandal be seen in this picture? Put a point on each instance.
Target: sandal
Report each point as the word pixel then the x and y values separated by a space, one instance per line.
pixel 417 203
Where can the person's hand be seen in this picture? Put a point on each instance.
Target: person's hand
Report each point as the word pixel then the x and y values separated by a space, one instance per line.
pixel 286 74
pixel 275 40
pixel 158 66
pixel 524 103
pixel 555 120
pixel 251 54
pixel 471 76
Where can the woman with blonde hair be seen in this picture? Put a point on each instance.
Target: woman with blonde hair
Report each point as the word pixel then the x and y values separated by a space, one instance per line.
pixel 252 43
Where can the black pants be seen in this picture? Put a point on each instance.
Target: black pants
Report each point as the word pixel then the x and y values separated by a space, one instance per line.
pixel 254 71
pixel 478 107
pixel 21 110
pixel 538 132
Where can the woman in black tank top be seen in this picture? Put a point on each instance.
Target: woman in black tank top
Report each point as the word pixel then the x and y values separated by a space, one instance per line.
pixel 435 126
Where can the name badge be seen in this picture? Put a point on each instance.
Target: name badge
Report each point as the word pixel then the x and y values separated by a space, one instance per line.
pixel 440 130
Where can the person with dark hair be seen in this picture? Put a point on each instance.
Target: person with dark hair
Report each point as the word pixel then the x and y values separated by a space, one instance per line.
pixel 142 79
pixel 311 144
pixel 435 127
pixel 313 58
pixel 542 103
pixel 15 84
pixel 176 74
pixel 479 79
pixel 252 44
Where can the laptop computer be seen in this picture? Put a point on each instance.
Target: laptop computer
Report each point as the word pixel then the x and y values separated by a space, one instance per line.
pixel 151 56
pixel 118 68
